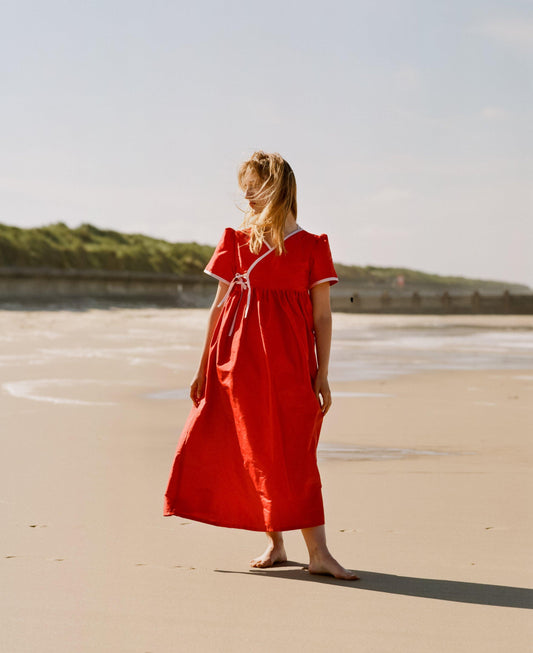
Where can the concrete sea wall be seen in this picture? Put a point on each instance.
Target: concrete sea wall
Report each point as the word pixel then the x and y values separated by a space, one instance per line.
pixel 53 286
pixel 435 302
pixel 47 285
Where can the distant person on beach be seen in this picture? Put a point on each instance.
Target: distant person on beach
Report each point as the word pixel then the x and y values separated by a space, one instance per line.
pixel 246 457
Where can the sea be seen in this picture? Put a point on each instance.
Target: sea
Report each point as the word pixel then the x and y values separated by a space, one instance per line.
pixel 382 346
pixel 141 341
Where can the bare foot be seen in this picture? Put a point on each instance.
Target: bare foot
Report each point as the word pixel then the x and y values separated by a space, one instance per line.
pixel 272 554
pixel 328 565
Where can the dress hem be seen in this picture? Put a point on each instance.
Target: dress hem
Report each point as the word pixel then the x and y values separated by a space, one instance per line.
pixel 262 529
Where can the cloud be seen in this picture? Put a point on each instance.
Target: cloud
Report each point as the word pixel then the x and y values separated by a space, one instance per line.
pixel 494 113
pixel 389 195
pixel 407 78
pixel 381 232
pixel 516 33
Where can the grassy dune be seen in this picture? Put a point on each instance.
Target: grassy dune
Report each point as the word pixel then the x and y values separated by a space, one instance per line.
pixel 88 247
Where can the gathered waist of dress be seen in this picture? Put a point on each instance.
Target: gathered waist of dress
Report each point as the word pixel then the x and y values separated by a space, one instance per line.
pixel 242 282
pixel 266 290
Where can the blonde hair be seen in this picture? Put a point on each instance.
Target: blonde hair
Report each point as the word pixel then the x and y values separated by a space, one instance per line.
pixel 278 193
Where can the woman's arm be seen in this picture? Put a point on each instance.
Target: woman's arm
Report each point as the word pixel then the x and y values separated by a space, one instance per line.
pixel 198 382
pixel 322 323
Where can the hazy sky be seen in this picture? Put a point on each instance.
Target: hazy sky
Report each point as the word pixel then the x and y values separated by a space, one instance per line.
pixel 408 123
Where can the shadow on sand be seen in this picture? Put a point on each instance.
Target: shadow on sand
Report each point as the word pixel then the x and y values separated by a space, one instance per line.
pixel 429 588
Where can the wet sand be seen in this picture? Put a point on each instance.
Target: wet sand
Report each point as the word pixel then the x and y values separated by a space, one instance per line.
pixel 427 486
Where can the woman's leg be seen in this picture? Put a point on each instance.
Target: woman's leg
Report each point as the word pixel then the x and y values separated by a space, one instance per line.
pixel 275 551
pixel 320 559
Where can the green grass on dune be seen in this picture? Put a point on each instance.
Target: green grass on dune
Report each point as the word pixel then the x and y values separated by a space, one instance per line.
pixel 87 247
pixel 412 278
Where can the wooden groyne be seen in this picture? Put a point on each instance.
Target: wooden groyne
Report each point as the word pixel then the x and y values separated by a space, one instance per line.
pixel 54 286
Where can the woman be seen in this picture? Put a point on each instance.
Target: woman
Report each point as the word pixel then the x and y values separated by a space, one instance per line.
pixel 247 454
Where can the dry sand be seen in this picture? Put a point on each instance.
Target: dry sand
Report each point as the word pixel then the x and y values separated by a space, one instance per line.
pixel 443 543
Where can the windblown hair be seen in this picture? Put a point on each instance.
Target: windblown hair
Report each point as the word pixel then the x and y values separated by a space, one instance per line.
pixel 275 186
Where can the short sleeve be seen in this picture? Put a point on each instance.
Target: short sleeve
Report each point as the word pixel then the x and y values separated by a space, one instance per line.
pixel 322 268
pixel 222 263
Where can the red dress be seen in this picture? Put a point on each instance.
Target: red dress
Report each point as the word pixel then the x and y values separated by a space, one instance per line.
pixel 246 457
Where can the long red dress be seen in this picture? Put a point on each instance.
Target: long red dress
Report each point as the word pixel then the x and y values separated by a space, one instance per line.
pixel 246 457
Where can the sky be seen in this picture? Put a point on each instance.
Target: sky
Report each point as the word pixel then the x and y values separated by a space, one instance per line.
pixel 408 123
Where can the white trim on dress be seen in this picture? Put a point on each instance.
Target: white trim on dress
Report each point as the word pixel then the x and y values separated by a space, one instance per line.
pixel 285 238
pixel 216 276
pixel 298 228
pixel 322 280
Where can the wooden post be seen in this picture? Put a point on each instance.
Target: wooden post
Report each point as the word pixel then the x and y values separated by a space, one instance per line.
pixel 385 299
pixel 356 300
pixel 446 300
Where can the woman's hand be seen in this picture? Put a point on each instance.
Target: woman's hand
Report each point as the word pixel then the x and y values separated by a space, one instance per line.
pixel 198 383
pixel 321 388
pixel 322 324
pixel 198 386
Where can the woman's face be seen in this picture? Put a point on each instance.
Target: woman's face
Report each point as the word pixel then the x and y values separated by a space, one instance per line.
pixel 251 186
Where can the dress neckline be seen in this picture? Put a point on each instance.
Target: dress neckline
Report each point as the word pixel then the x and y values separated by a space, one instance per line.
pixel 298 228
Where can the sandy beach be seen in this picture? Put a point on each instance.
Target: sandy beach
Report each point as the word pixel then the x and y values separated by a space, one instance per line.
pixel 427 482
